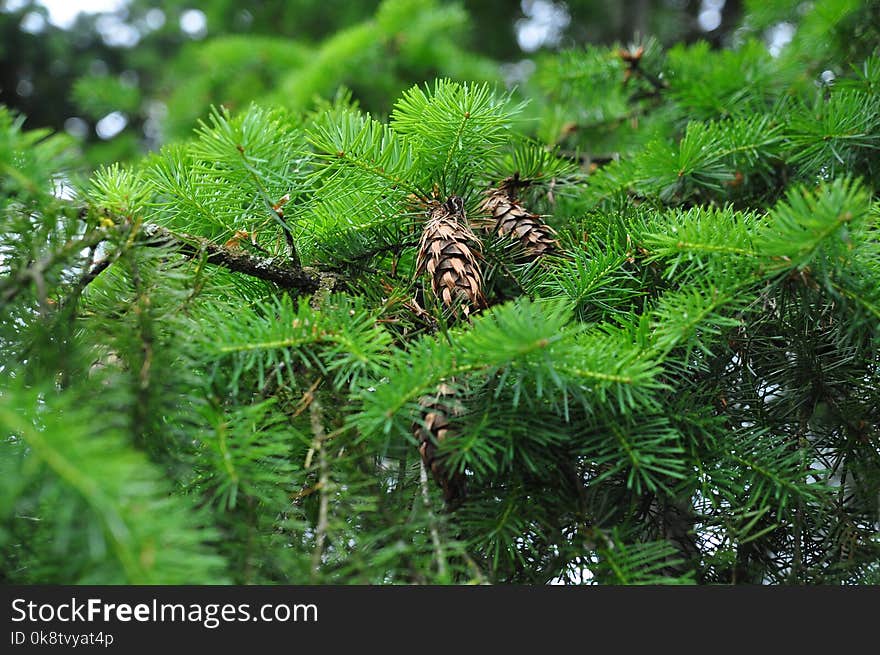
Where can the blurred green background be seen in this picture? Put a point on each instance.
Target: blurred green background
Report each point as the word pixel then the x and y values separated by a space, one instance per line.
pixel 140 73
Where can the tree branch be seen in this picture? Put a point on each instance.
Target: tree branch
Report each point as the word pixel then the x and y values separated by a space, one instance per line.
pixel 35 272
pixel 317 422
pixel 94 270
pixel 435 534
pixel 277 270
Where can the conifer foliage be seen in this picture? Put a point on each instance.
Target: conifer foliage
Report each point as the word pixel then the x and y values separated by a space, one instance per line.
pixel 287 350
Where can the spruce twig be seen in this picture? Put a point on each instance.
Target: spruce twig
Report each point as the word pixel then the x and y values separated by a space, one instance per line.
pixel 275 208
pixel 316 419
pixel 439 552
pixel 36 271
pixel 271 269
pixel 141 309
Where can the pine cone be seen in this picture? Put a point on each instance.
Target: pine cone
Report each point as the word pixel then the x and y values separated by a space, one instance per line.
pixel 449 252
pixel 512 220
pixel 437 423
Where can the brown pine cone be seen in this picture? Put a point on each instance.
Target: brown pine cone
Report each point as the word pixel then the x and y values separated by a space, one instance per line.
pixel 437 423
pixel 510 219
pixel 450 254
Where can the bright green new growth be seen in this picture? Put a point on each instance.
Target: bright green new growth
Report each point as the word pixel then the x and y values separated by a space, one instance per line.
pixel 688 395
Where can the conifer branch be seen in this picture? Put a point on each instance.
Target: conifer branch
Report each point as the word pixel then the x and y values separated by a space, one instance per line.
pixel 380 172
pixel 35 273
pixel 272 269
pixel 689 394
pixel 94 271
pixel 316 419
pixel 106 508
pixel 141 308
pixel 275 208
pixel 873 308
pixel 439 553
